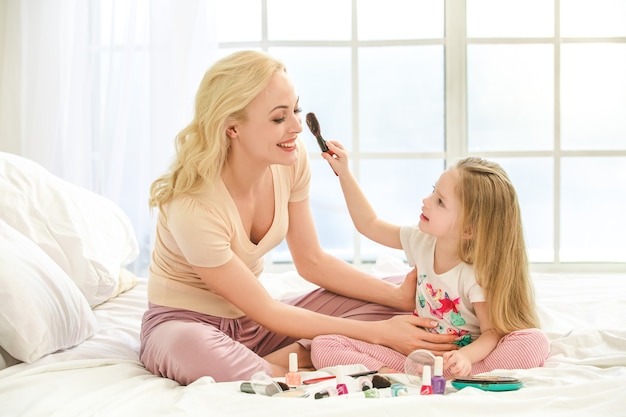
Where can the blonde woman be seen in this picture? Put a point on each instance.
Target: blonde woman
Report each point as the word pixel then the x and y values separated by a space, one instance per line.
pixel 472 272
pixel 239 185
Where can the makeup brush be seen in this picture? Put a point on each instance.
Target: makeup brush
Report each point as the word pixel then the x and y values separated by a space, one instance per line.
pixel 379 381
pixel 314 127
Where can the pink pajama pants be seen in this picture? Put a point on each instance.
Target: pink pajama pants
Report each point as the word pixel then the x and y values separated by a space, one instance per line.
pixel 185 345
pixel 521 349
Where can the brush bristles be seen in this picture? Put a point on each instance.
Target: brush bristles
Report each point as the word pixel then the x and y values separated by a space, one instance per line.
pixel 313 124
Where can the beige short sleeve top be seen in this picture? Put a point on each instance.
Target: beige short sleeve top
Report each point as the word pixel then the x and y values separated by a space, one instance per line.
pixel 205 230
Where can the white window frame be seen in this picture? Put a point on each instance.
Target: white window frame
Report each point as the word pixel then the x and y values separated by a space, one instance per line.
pixel 455 43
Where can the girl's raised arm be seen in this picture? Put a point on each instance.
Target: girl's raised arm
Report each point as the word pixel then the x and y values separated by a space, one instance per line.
pixel 361 211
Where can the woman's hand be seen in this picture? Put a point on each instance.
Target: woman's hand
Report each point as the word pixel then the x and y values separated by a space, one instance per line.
pixel 405 333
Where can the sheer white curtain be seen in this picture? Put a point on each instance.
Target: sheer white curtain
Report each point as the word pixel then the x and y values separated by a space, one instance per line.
pixel 95 91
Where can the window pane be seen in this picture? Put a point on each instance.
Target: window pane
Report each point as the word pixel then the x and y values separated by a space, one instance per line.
pixel 593 96
pixel 593 203
pixel 533 180
pixel 319 20
pixel 324 89
pixel 400 19
pixel 396 188
pixel 335 229
pixel 401 99
pixel 334 226
pixel 593 18
pixel 510 97
pixel 510 18
pixel 246 26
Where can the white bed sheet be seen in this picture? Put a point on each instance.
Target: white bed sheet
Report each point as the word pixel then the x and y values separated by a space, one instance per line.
pixel 584 315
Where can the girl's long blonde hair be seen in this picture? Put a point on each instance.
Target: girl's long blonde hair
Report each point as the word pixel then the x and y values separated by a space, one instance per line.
pixel 202 147
pixel 492 239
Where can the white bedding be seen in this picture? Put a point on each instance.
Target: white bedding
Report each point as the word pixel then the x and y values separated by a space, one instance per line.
pixel 584 315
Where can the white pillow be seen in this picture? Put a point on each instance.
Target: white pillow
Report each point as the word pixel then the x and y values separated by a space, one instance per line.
pixel 87 235
pixel 41 309
pixel 6 360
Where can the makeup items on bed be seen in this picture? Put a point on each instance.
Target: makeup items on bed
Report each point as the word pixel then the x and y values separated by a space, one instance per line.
pixel 317 380
pixel 344 384
pixel 370 393
pixel 398 390
pixel 364 383
pixel 438 382
pixel 488 382
pixel 293 377
pixel 357 376
pixel 414 365
pixel 247 388
pixel 426 388
pixel 333 392
pixel 262 384
pixel 342 389
pixel 360 374
pixel 326 392
pixel 379 381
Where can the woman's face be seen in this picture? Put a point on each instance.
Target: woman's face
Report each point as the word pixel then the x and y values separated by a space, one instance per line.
pixel 441 209
pixel 272 125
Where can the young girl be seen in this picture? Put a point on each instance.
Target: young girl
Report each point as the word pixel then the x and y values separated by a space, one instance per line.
pixel 472 272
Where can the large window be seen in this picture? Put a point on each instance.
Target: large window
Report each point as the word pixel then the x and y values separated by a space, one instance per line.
pixel 410 86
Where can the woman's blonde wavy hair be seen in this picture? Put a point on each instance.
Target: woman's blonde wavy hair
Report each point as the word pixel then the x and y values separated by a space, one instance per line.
pixel 492 239
pixel 202 147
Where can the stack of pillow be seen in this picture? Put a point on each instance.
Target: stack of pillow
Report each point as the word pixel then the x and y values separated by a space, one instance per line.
pixel 63 250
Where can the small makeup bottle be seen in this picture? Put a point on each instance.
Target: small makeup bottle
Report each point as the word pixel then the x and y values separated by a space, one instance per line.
pixel 365 383
pixel 293 377
pixel 438 382
pixel 371 393
pixel 327 392
pixel 426 389
pixel 342 384
pixel 398 390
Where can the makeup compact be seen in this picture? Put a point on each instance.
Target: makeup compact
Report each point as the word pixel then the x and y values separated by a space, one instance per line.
pixel 488 383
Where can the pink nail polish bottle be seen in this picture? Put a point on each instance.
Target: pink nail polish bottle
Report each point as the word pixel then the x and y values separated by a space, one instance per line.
pixel 293 377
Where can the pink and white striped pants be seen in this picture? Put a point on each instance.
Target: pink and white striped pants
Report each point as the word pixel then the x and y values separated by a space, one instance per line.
pixel 521 349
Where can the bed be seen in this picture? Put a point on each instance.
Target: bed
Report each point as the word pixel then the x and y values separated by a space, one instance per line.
pixel 70 316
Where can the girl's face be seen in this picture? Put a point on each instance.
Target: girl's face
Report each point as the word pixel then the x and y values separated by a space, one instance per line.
pixel 273 122
pixel 441 210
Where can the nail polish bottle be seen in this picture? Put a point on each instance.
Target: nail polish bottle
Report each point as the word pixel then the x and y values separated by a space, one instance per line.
pixel 438 382
pixel 426 388
pixel 342 383
pixel 293 377
pixel 398 390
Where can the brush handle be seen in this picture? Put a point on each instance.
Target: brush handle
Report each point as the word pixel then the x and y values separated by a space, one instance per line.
pixel 322 143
